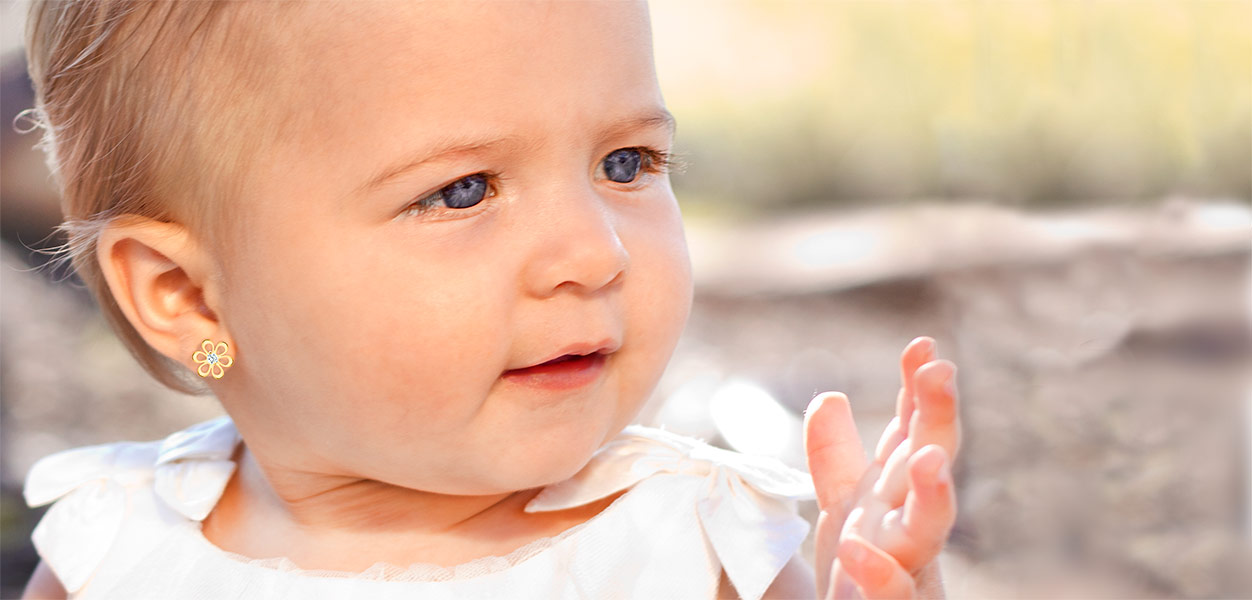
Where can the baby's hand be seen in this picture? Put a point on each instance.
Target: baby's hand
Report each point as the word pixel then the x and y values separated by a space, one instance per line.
pixel 900 509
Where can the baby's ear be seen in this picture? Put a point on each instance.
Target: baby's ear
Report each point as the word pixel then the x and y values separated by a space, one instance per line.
pixel 157 273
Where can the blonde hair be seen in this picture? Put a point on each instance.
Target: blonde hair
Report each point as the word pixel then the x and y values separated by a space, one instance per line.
pixel 147 110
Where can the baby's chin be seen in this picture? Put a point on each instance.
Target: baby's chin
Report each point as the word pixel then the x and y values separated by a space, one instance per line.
pixel 538 461
pixel 559 450
pixel 556 463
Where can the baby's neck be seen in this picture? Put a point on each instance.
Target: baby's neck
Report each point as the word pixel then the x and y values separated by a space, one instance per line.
pixel 342 524
pixel 327 502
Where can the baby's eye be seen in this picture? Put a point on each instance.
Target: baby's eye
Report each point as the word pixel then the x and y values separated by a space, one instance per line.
pixel 627 165
pixel 462 193
pixel 623 165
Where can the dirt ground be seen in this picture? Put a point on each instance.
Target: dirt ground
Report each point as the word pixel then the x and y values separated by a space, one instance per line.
pixel 1103 376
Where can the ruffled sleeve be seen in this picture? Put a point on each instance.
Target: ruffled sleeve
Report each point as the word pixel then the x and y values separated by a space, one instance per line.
pixel 88 486
pixel 92 487
pixel 746 507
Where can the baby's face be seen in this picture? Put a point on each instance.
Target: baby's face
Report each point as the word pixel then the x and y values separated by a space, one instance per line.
pixel 385 316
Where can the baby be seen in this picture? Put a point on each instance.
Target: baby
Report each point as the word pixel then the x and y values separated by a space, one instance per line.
pixel 427 257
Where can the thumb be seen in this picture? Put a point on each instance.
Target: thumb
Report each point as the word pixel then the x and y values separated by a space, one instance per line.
pixel 835 455
pixel 836 463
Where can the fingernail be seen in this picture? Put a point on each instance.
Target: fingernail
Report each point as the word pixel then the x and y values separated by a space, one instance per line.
pixel 815 403
pixel 949 386
pixel 873 571
pixel 940 473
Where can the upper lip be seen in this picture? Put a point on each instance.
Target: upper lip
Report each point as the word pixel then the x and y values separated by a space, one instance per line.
pixel 605 346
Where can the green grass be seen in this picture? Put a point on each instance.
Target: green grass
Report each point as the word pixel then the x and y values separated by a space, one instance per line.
pixel 1026 102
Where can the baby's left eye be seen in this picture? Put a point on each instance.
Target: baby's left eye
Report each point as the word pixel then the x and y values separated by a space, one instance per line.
pixel 627 165
pixel 463 193
pixel 623 165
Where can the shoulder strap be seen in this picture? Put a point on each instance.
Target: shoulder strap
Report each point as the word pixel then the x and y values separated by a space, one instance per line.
pixel 746 508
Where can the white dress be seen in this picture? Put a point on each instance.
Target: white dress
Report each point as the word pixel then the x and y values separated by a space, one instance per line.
pixel 127 524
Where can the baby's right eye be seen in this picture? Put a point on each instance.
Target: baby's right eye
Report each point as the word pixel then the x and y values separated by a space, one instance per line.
pixel 465 192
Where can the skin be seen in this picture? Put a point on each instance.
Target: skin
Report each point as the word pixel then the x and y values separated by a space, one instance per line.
pixel 882 524
pixel 369 343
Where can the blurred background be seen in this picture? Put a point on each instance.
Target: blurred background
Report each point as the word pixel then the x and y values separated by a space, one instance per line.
pixel 1059 192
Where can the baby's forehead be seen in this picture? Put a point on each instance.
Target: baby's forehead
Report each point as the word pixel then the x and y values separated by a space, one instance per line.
pixel 468 69
pixel 415 40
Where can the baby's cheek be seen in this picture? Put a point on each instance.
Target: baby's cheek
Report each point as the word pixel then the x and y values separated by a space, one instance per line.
pixel 667 289
pixel 417 359
pixel 660 301
pixel 431 378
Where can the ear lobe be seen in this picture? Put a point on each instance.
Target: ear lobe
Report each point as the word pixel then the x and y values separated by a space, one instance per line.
pixel 156 272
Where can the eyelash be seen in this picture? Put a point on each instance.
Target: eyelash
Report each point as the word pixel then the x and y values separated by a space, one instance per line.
pixel 655 162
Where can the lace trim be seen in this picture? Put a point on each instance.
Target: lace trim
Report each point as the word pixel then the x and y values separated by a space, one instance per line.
pixel 385 571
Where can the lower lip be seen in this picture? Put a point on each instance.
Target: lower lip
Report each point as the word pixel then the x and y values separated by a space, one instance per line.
pixel 564 375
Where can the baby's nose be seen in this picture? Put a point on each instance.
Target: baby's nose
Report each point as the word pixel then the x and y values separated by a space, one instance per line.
pixel 576 247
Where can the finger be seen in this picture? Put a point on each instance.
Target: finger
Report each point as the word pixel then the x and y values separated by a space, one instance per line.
pixel 826 547
pixel 835 455
pixel 892 485
pixel 935 417
pixel 930 509
pixel 915 534
pixel 890 440
pixel 843 588
pixel 836 463
pixel 934 422
pixel 919 352
pixel 877 575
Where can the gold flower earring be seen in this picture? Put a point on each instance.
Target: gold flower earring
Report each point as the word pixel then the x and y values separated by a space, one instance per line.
pixel 212 359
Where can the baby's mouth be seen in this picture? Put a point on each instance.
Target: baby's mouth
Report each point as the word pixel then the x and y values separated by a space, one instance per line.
pixel 558 363
pixel 564 358
pixel 565 372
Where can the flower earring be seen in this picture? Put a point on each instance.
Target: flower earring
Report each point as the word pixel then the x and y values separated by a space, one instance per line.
pixel 212 359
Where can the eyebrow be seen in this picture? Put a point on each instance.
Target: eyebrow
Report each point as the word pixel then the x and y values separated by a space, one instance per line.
pixel 453 145
pixel 658 118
